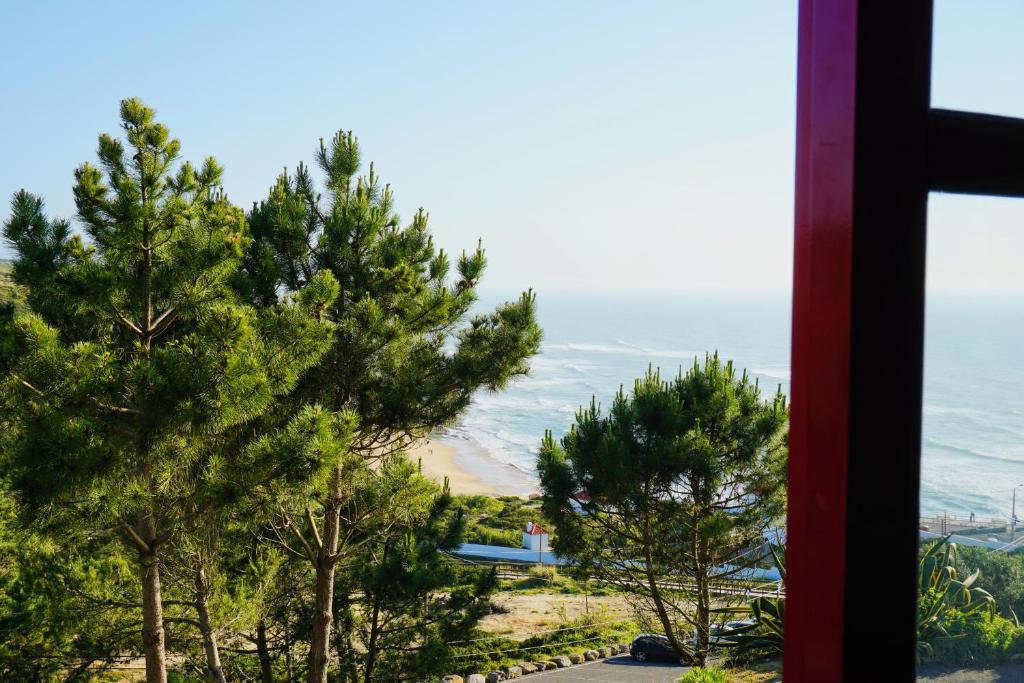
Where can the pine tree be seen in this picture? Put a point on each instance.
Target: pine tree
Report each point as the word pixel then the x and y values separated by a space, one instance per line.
pixel 57 604
pixel 133 350
pixel 403 361
pixel 681 479
pixel 237 474
pixel 402 588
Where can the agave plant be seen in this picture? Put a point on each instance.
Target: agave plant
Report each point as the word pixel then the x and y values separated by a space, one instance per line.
pixel 941 591
pixel 765 633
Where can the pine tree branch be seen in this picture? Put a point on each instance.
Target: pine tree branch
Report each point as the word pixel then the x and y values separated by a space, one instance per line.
pixel 281 542
pixel 312 528
pixel 166 534
pixel 248 652
pixel 107 602
pixel 119 317
pixel 27 385
pixel 136 539
pixel 116 409
pixel 163 321
pixel 298 534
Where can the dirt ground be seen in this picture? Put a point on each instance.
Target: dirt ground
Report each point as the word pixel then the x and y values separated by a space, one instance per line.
pixel 1007 673
pixel 525 612
pixel 532 611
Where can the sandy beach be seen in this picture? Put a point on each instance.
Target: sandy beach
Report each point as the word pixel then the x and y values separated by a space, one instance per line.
pixel 469 469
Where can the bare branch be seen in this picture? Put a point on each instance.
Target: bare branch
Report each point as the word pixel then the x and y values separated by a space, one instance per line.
pixel 310 555
pixel 136 539
pixel 312 528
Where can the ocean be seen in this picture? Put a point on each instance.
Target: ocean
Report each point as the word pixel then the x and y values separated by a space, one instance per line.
pixel 973 428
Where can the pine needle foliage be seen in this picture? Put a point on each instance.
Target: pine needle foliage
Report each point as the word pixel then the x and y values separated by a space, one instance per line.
pixel 682 478
pixel 410 598
pixel 134 348
pixel 406 357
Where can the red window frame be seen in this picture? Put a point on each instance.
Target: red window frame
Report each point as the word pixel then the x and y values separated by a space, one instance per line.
pixel 869 150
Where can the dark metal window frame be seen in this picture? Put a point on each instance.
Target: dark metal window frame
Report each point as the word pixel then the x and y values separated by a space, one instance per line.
pixel 869 150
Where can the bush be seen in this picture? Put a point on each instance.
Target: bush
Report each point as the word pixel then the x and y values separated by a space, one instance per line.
pixel 485 536
pixel 711 675
pixel 181 677
pixel 976 641
pixel 545 572
pixel 499 521
pixel 1002 575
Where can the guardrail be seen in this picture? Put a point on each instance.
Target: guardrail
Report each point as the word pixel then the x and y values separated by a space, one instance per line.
pixel 945 524
pixel 518 571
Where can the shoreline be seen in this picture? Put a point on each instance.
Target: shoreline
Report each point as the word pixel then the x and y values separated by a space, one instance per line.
pixel 469 468
pixel 472 471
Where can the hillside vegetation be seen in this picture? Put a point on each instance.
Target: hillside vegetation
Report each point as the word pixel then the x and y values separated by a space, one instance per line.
pixel 500 521
pixel 5 274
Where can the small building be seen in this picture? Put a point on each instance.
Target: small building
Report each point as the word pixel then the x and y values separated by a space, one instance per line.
pixel 535 537
pixel 578 500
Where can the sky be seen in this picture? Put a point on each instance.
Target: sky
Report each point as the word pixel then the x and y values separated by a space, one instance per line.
pixel 591 145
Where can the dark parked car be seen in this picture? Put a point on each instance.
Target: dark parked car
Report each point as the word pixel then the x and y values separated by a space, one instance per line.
pixel 649 646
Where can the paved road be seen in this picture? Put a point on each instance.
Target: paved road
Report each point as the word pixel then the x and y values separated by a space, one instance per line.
pixel 619 669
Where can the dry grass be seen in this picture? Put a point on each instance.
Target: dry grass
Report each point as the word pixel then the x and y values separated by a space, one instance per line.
pixel 735 676
pixel 536 611
pixel 763 672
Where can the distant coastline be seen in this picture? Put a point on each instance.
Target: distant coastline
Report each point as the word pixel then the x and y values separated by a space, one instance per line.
pixel 595 343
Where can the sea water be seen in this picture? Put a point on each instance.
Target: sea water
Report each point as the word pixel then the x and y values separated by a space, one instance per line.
pixel 595 343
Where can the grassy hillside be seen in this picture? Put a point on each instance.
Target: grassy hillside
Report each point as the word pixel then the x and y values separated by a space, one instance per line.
pixel 5 275
pixel 499 521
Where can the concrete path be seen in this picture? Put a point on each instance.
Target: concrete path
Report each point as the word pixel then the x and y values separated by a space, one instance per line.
pixel 621 669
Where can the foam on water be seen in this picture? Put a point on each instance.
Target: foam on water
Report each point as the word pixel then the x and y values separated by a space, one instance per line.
pixel 973 428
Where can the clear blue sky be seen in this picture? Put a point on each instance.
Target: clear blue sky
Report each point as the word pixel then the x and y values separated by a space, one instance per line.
pixel 591 144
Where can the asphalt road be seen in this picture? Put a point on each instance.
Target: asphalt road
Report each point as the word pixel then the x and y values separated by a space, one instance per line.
pixel 619 669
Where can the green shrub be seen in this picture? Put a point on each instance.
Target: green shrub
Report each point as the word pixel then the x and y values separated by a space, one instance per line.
pixel 1017 647
pixel 485 536
pixel 997 636
pixel 174 676
pixel 946 602
pixel 1002 575
pixel 975 641
pixel 499 521
pixel 711 675
pixel 546 572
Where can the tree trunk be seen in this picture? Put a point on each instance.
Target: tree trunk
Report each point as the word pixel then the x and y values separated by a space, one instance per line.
pixel 371 646
pixel 703 618
pixel 263 652
pixel 322 619
pixel 152 601
pixel 662 611
pixel 323 605
pixel 214 672
pixel 288 667
pixel 342 633
pixel 652 585
pixel 152 607
pixel 702 567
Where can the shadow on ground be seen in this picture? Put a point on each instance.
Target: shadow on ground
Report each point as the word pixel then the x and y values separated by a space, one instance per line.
pixel 1006 673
